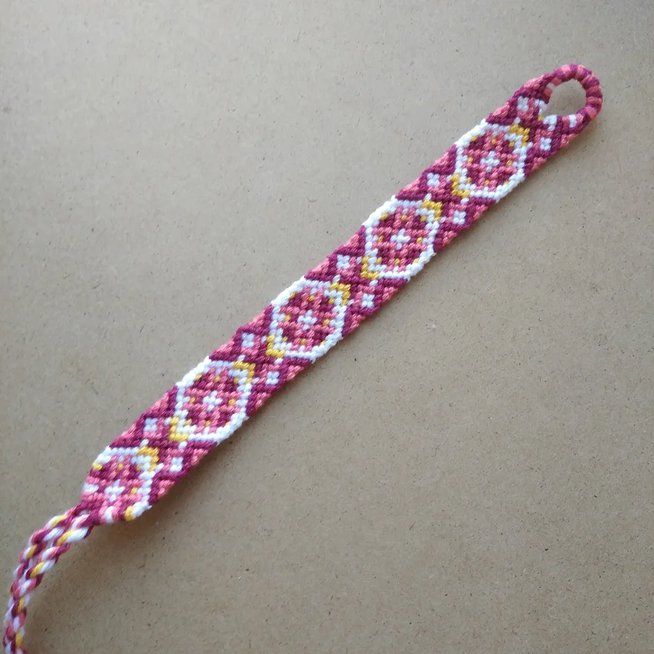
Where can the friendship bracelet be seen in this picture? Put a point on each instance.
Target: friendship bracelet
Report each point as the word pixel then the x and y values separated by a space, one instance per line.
pixel 305 321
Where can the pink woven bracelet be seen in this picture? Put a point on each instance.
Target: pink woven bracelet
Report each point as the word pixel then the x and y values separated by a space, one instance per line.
pixel 306 320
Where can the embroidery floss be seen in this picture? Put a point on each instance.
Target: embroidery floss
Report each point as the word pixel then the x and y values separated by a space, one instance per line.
pixel 305 321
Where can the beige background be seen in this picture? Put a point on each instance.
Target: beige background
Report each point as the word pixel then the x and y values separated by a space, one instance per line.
pixel 472 471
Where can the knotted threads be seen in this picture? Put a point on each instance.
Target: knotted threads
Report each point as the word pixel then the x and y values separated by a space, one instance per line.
pixel 43 550
pixel 307 319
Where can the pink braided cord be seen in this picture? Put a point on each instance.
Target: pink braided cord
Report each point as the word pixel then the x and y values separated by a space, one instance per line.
pixel 43 549
pixel 306 320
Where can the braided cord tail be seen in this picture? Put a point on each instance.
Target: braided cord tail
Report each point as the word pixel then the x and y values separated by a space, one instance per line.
pixel 43 550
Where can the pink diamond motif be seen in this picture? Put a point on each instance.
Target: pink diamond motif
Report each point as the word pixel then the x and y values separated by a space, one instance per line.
pixel 307 319
pixel 490 160
pixel 211 400
pixel 400 238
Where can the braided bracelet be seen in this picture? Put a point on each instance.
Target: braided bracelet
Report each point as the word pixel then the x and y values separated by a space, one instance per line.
pixel 306 320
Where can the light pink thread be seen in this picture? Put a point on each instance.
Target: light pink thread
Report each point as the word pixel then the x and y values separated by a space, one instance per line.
pixel 305 321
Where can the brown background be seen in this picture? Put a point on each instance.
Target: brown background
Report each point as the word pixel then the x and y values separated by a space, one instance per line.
pixel 470 472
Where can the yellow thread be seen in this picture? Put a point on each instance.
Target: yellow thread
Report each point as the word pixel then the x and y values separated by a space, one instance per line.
pixel 152 453
pixel 455 179
pixel 343 289
pixel 63 538
pixel 37 569
pixel 242 365
pixel 433 206
pixel 271 350
pixel 173 435
pixel 522 132
pixel 365 270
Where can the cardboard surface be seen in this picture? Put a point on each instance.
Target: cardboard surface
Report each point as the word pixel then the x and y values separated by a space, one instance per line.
pixel 469 472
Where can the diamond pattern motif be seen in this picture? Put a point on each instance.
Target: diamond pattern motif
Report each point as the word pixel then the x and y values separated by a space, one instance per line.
pixel 304 322
pixel 211 400
pixel 121 479
pixel 331 300
pixel 307 319
pixel 490 160
pixel 399 238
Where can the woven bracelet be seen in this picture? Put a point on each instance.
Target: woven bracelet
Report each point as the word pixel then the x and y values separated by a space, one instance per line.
pixel 306 320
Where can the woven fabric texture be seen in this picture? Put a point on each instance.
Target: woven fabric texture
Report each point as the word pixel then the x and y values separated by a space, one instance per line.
pixel 306 320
